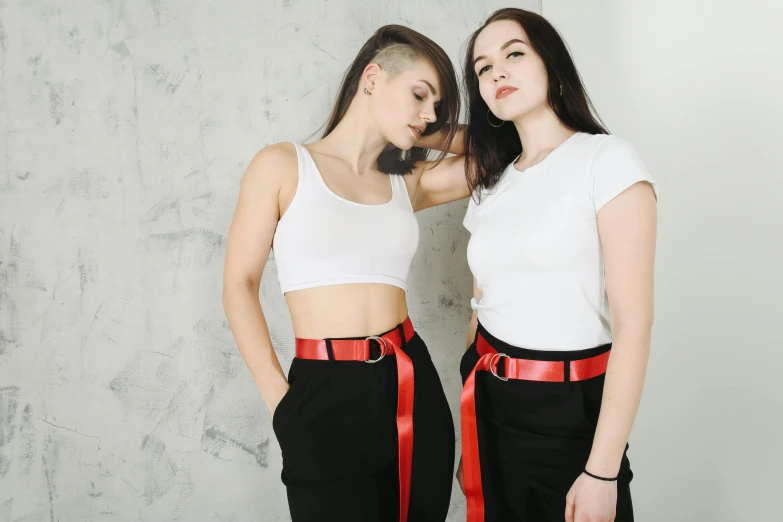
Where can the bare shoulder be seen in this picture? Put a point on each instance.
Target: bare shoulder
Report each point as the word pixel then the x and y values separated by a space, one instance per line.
pixel 274 164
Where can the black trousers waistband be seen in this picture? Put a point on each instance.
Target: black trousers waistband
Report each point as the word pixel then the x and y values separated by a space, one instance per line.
pixel 539 355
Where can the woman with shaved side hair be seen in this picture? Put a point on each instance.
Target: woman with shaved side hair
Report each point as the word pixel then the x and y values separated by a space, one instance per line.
pixel 362 419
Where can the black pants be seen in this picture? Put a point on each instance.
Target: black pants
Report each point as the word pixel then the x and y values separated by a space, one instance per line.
pixel 338 432
pixel 535 438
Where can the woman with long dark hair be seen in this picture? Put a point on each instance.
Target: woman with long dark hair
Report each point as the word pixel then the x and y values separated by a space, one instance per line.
pixel 563 225
pixel 362 419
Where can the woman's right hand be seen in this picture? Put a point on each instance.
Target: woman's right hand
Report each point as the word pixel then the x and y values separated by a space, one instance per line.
pixel 459 476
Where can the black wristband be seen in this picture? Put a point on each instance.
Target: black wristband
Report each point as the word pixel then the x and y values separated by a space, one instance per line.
pixel 601 478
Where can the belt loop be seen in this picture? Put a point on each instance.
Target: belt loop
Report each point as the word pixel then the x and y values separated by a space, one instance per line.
pixel 329 349
pixel 403 341
pixel 567 371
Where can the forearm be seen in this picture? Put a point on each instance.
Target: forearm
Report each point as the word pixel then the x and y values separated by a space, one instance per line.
pixel 435 141
pixel 248 325
pixel 622 393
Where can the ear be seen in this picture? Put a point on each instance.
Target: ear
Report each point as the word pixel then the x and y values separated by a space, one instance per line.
pixel 370 76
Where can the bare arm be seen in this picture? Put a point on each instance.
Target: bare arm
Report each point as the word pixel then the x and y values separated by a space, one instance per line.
pixel 249 242
pixel 627 227
pixel 432 183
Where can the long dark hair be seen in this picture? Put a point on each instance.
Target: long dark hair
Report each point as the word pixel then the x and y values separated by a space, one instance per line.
pixel 397 161
pixel 490 149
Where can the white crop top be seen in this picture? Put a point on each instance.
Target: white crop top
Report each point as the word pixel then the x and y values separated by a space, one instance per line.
pixel 324 239
pixel 535 251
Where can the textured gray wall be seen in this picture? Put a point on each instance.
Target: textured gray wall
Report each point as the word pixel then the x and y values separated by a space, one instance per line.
pixel 125 128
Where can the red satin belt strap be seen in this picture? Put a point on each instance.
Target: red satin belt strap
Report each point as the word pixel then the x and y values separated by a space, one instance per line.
pixel 520 369
pixel 359 350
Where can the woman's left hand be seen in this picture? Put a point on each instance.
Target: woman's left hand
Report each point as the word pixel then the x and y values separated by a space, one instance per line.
pixel 591 500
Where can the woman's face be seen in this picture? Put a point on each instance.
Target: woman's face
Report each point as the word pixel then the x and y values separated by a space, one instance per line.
pixel 511 76
pixel 405 104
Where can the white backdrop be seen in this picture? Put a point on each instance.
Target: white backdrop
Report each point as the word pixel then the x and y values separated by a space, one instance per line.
pixel 696 86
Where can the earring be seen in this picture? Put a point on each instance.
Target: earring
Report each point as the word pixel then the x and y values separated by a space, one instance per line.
pixel 503 122
pixel 366 91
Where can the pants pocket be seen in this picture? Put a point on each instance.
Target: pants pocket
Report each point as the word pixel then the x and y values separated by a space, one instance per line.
pixel 296 389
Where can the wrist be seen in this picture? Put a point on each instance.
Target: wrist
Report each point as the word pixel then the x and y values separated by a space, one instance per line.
pixel 604 465
pixel 602 478
pixel 272 385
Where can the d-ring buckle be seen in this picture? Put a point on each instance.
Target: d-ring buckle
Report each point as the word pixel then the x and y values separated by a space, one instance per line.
pixel 492 365
pixel 382 342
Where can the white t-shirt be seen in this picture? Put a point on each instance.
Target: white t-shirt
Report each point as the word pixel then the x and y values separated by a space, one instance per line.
pixel 534 248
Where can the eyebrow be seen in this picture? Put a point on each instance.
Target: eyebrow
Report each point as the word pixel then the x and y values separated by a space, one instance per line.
pixel 515 40
pixel 434 91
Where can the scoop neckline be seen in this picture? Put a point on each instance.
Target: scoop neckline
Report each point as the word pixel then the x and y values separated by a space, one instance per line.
pixel 337 196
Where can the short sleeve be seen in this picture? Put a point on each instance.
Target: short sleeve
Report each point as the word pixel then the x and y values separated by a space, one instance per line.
pixel 615 167
pixel 470 216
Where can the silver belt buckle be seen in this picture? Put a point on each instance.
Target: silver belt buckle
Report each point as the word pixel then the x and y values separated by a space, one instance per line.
pixel 382 342
pixel 492 365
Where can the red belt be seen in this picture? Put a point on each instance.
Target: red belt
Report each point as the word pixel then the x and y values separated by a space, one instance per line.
pixel 521 369
pixel 359 350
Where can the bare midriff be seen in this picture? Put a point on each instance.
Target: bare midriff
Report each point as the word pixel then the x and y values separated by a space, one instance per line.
pixel 350 310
